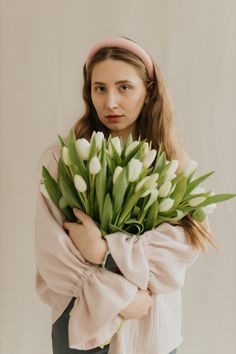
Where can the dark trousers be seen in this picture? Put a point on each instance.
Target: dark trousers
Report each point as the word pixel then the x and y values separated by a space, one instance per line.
pixel 60 343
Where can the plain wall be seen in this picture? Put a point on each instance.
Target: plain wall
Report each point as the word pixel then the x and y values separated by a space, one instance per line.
pixel 43 46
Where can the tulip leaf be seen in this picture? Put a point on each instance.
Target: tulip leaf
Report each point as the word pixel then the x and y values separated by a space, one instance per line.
pixel 107 213
pixel 160 163
pixel 119 189
pixel 115 155
pixel 101 179
pixel 93 148
pixel 67 187
pixel 51 186
pixel 196 182
pixel 216 199
pixel 179 191
pixel 151 216
pixel 133 226
pixel 61 141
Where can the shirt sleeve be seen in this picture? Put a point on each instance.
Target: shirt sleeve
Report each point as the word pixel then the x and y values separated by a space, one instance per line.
pixel 157 259
pixel 61 269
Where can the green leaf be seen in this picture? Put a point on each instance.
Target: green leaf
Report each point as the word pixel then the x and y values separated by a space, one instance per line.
pixel 160 163
pixel 196 182
pixel 51 186
pixel 101 180
pixel 61 141
pixel 151 216
pixel 179 191
pixel 133 226
pixel 216 199
pixel 119 189
pixel 107 213
pixel 131 154
pixel 67 187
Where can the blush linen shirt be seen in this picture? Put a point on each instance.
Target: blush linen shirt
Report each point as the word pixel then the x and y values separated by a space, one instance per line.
pixel 157 260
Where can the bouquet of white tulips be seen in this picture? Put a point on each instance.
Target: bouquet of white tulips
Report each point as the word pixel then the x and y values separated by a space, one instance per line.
pixel 126 187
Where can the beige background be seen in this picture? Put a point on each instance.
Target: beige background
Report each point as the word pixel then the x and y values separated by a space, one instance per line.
pixel 43 46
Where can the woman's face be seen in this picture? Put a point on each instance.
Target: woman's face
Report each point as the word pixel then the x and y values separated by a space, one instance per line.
pixel 117 89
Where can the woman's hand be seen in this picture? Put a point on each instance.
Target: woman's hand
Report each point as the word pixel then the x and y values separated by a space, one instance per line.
pixel 87 237
pixel 139 306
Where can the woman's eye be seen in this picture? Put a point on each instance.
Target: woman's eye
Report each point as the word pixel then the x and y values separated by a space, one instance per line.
pixel 125 86
pixel 99 87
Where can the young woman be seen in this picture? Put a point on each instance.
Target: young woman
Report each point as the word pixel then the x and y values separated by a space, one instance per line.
pixel 91 282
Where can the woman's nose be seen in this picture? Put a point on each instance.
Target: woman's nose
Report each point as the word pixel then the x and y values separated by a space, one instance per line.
pixel 111 100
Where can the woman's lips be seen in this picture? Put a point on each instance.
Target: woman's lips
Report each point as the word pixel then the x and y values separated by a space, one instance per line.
pixel 114 117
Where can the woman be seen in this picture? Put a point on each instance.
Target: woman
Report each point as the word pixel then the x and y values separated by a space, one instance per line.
pixel 90 282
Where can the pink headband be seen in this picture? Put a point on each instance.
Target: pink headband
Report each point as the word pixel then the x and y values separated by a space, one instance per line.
pixel 126 44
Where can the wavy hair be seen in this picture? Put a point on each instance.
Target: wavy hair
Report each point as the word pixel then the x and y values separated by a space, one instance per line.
pixel 156 123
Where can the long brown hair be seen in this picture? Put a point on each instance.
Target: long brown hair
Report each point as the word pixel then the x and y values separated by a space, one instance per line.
pixel 156 123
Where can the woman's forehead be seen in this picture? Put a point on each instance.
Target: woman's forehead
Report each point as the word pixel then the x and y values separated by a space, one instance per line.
pixel 116 71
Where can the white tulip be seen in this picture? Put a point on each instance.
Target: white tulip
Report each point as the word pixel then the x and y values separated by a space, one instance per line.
pixel 170 174
pixel 166 204
pixel 198 190
pixel 80 183
pixel 83 148
pixel 134 169
pixel 148 159
pixel 117 144
pixel 130 147
pixel 196 201
pixel 140 184
pixel 94 165
pixel 190 168
pixel 66 156
pixel 99 138
pixel 208 209
pixel 147 182
pixel 116 173
pixel 150 190
pixel 165 188
pixel 44 191
pixel 146 148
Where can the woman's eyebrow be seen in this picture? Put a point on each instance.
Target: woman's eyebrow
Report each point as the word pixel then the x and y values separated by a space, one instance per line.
pixel 117 82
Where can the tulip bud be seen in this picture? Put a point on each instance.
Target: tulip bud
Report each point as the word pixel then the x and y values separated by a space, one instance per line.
pixel 130 147
pixel 99 138
pixel 166 204
pixel 140 184
pixel 116 173
pixel 196 201
pixel 190 168
pixel 147 182
pixel 83 148
pixel 146 148
pixel 80 183
pixel 149 191
pixel 134 169
pixel 151 180
pixel 165 189
pixel 94 165
pixel 44 191
pixel 148 159
pixel 170 174
pixel 66 156
pixel 117 144
pixel 198 190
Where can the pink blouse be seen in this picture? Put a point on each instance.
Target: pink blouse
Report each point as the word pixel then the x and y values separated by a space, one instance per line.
pixel 157 260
